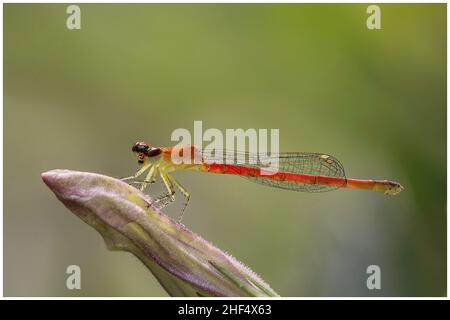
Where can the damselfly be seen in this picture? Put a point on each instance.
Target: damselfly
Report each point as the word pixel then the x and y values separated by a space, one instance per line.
pixel 297 171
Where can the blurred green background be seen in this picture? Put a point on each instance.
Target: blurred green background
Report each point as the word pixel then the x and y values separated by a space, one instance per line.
pixel 375 99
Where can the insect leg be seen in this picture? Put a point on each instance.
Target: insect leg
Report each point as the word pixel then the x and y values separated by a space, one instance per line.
pixel 167 198
pixel 184 192
pixel 150 178
pixel 139 172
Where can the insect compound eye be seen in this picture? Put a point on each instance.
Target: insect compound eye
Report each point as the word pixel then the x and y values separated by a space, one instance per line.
pixel 140 147
pixel 135 147
pixel 152 152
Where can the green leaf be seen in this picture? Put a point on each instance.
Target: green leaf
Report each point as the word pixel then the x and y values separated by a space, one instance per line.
pixel 184 263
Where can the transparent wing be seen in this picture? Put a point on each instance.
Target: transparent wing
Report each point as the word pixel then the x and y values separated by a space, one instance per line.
pixel 292 162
